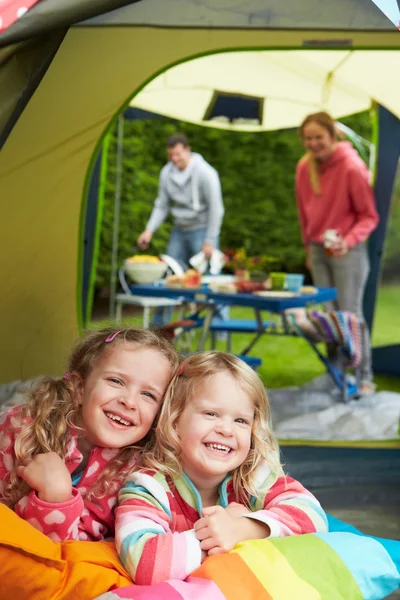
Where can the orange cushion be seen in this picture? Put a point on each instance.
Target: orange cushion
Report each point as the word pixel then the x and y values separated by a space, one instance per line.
pixel 33 566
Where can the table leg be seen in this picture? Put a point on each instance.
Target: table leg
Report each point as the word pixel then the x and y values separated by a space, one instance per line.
pixel 205 329
pixel 259 334
pixel 146 317
pixel 118 312
pixel 213 340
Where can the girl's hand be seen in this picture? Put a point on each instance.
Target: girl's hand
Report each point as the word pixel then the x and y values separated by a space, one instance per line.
pixel 218 531
pixel 48 476
pixel 234 509
pixel 340 249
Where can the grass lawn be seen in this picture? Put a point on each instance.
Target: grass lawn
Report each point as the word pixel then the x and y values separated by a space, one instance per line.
pixel 289 361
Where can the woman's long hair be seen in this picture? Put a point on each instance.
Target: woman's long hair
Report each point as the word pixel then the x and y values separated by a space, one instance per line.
pixel 51 412
pixel 166 456
pixel 325 120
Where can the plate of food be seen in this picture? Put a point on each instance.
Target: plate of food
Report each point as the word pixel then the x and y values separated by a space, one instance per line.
pixel 275 294
pixel 217 279
pixel 222 287
pixel 190 279
pixel 308 289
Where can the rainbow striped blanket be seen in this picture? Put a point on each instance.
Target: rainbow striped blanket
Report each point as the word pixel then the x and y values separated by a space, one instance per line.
pixel 322 566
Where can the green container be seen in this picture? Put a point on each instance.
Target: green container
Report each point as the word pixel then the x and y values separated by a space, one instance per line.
pixel 258 276
pixel 278 281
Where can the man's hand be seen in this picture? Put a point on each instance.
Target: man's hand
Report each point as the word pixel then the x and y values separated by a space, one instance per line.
pixel 144 239
pixel 218 531
pixel 208 249
pixel 48 476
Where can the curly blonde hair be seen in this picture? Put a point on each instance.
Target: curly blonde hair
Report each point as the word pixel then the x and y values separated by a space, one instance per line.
pixel 166 456
pixel 325 120
pixel 51 410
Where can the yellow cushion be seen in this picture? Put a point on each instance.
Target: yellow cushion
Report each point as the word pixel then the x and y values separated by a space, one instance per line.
pixel 33 566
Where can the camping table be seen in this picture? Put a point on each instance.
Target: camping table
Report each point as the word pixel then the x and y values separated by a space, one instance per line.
pixel 209 301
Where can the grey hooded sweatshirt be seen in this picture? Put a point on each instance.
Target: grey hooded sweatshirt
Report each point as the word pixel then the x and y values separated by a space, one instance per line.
pixel 193 196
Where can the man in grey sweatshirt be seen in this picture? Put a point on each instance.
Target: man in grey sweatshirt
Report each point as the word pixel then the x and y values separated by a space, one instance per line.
pixel 190 188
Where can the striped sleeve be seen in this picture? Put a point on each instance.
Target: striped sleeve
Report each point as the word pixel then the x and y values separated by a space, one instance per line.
pixel 147 545
pixel 288 508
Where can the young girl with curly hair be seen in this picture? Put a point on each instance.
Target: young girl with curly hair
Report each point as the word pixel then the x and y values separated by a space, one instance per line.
pixel 64 455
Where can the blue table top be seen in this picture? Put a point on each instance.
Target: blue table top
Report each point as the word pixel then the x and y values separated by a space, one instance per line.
pixel 272 304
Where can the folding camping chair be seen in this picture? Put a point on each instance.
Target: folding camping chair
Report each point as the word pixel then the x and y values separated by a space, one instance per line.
pixel 145 303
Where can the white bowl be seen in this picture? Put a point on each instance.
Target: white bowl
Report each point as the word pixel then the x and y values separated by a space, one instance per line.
pixel 145 272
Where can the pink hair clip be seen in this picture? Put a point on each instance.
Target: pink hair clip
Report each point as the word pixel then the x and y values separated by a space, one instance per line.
pixel 67 375
pixel 181 369
pixel 112 336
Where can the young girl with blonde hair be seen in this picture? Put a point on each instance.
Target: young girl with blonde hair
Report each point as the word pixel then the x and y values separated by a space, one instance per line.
pixel 214 478
pixel 64 455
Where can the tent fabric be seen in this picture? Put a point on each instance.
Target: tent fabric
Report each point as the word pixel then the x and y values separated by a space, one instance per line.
pixel 49 15
pixel 364 467
pixel 11 10
pixel 20 73
pixel 45 160
pixel 339 81
pixel 388 152
pixel 354 15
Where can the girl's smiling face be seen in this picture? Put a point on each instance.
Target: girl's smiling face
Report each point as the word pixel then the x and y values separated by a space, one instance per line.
pixel 122 395
pixel 215 429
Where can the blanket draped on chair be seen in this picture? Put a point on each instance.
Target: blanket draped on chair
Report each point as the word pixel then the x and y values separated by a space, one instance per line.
pixel 344 329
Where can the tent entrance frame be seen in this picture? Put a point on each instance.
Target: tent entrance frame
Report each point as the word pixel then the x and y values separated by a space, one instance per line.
pixel 386 163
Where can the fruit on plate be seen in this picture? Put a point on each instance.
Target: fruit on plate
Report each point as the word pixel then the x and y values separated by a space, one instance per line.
pixel 190 279
pixel 143 258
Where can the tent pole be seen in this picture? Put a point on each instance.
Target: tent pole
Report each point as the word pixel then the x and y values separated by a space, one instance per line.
pixel 117 209
pixel 93 226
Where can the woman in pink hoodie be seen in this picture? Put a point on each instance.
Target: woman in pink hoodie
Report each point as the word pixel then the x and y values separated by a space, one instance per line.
pixel 333 192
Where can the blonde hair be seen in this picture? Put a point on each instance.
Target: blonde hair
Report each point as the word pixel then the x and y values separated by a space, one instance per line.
pixel 325 120
pixel 193 371
pixel 51 409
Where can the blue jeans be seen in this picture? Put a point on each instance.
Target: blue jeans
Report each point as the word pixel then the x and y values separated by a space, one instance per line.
pixel 182 245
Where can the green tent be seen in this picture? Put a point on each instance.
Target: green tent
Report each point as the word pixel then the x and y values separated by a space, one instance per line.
pixel 63 80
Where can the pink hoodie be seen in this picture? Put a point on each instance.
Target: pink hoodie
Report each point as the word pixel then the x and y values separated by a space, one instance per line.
pixel 346 202
pixel 77 519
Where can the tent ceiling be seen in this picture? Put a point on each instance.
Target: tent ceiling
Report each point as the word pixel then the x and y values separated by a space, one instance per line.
pixel 289 84
pixel 320 14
